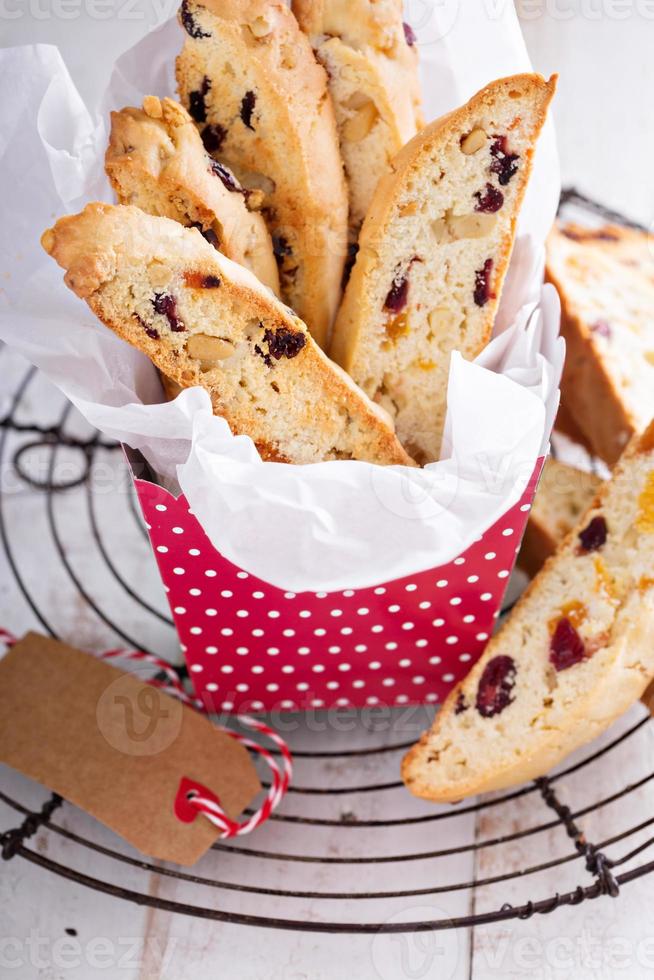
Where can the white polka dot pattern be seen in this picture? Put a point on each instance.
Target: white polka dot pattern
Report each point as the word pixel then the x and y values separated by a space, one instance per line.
pixel 252 647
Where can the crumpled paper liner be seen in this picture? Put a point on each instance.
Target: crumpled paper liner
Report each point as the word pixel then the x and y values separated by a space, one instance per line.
pixel 327 526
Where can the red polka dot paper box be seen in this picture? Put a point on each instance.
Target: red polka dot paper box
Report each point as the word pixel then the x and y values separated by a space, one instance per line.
pixel 252 647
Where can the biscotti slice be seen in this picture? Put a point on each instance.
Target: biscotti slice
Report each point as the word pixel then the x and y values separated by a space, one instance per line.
pixel 564 494
pixel 249 78
pixel 371 60
pixel 605 277
pixel 156 161
pixel 433 254
pixel 631 246
pixel 204 320
pixel 566 426
pixel 576 652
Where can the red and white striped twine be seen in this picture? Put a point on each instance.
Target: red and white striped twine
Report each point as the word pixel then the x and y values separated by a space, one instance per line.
pixel 281 775
pixel 281 778
pixel 7 638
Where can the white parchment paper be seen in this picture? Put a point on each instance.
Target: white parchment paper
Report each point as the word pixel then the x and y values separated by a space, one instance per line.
pixel 330 525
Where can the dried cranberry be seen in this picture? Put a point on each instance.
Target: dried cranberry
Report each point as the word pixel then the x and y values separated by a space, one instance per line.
pixel 482 291
pixel 213 137
pixel 166 305
pixel 409 34
pixel 262 354
pixel 208 234
pixel 504 164
pixel 227 177
pixel 284 254
pixel 602 327
pixel 589 235
pixel 398 294
pixel 461 705
pixel 247 108
pixel 566 646
pixel 495 690
pixel 197 105
pixel 151 332
pixel 490 201
pixel 284 342
pixel 593 537
pixel 196 280
pixel 189 22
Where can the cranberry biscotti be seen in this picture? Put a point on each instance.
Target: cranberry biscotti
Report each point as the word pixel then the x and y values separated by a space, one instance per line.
pixel 204 320
pixel 249 78
pixel 433 254
pixel 564 494
pixel 605 277
pixel 576 652
pixel 371 60
pixel 156 161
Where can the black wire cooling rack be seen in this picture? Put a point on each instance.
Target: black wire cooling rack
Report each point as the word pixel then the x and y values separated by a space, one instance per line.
pixel 334 859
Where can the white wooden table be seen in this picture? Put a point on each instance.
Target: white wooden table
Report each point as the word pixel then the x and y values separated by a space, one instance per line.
pixel 58 546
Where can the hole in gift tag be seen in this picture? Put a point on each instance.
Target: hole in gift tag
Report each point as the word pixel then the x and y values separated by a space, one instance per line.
pixel 187 791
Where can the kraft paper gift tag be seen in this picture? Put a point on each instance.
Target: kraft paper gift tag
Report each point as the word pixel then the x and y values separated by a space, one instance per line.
pixel 116 747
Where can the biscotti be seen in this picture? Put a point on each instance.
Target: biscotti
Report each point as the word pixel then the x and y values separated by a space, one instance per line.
pixel 203 320
pixel 605 277
pixel 433 254
pixel 564 494
pixel 566 426
pixel 576 652
pixel 249 78
pixel 156 161
pixel 371 58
